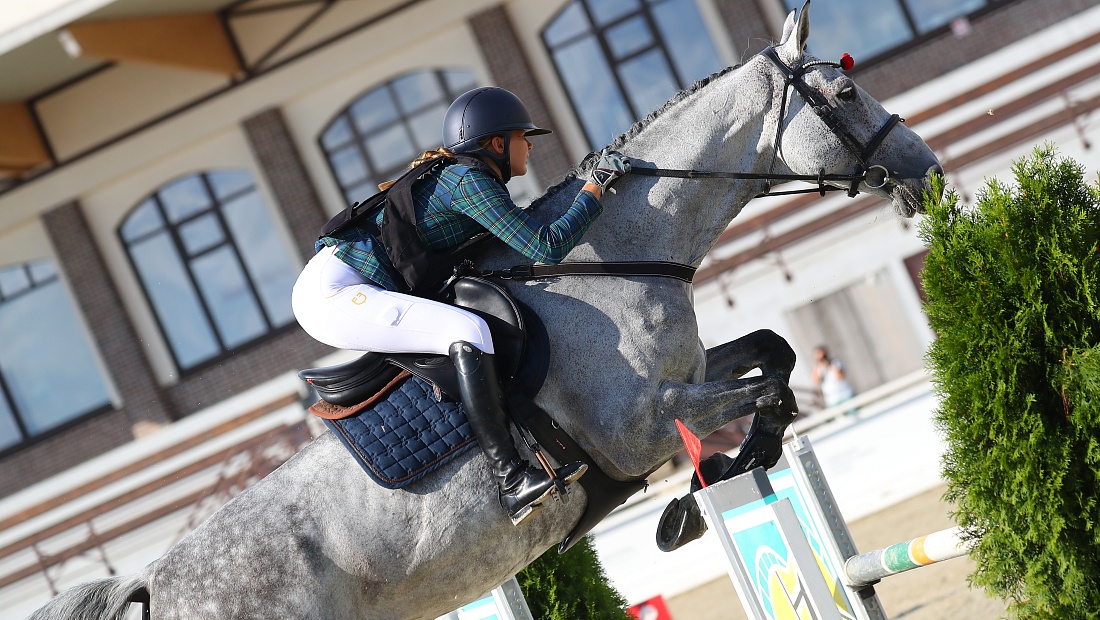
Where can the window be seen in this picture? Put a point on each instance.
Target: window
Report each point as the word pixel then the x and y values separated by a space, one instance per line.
pixel 875 31
pixel 48 373
pixel 212 264
pixel 621 59
pixel 374 139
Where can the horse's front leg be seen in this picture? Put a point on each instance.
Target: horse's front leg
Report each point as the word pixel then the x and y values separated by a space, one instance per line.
pixel 724 397
pixel 706 407
pixel 766 350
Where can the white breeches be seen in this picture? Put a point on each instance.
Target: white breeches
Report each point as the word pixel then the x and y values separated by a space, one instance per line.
pixel 336 305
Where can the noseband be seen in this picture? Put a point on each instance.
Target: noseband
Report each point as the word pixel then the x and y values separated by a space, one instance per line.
pixel 794 78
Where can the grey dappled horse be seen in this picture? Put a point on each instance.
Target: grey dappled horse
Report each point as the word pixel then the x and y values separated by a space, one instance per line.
pixel 318 539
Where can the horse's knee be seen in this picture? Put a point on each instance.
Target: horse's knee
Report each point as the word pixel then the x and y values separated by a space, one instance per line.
pixel 778 396
pixel 774 351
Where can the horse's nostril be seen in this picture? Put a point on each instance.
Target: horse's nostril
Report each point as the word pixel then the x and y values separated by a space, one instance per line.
pixel 935 169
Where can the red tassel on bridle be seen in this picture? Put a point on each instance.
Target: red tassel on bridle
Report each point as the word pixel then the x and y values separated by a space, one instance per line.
pixel 847 62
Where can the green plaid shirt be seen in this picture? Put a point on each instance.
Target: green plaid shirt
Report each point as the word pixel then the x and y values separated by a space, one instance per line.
pixel 455 204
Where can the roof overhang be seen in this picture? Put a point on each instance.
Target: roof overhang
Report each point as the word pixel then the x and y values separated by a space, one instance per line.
pixel 23 22
pixel 32 58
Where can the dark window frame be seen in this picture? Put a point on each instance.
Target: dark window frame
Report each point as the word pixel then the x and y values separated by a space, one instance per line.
pixel 186 258
pixel 26 438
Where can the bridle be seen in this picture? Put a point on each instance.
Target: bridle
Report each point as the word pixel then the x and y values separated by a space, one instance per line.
pixel 876 176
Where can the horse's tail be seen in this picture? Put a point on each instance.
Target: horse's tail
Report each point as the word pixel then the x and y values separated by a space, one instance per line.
pixel 102 599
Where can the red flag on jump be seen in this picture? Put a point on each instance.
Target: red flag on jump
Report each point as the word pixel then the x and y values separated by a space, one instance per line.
pixel 694 449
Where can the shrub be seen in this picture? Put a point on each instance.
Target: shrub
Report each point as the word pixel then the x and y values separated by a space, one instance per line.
pixel 1013 284
pixel 570 586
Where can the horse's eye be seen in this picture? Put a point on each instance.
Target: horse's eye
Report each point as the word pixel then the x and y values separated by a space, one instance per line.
pixel 847 94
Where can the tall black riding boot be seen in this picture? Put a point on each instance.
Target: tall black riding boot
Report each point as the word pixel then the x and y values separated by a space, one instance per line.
pixel 523 487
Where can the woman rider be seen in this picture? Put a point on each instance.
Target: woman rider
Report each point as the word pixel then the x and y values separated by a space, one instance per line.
pixel 348 296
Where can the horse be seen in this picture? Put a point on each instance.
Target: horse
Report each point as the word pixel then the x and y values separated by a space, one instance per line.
pixel 317 539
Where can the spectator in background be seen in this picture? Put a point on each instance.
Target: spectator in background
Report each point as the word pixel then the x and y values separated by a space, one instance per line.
pixel 828 376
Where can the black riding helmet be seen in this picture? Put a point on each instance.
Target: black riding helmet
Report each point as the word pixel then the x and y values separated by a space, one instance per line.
pixel 482 113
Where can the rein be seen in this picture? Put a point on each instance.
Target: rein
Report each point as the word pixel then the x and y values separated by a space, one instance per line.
pixel 661 269
pixel 876 176
pixel 819 179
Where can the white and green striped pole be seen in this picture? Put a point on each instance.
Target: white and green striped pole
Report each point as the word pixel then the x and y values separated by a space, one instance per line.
pixel 868 568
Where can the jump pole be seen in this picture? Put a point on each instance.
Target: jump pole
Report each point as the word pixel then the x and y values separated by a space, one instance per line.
pixel 869 568
pixel 788 549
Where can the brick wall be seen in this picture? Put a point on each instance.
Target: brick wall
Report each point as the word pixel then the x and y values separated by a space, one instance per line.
pixel 295 194
pixel 510 69
pixel 101 305
pixel 64 449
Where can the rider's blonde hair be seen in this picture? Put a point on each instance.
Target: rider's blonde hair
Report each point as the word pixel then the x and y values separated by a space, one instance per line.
pixel 434 154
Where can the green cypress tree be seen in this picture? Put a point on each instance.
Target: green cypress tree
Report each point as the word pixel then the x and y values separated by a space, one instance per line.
pixel 1013 287
pixel 570 586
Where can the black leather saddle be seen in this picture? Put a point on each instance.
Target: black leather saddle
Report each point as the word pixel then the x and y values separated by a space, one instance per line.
pixel 353 382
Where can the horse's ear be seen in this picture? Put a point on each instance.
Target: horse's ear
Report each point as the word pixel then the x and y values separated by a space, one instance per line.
pixel 802 30
pixel 799 27
pixel 788 28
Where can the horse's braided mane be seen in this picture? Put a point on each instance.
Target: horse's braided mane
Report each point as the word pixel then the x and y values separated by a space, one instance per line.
pixel 634 130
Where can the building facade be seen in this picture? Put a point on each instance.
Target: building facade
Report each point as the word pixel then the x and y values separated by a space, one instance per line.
pixel 164 167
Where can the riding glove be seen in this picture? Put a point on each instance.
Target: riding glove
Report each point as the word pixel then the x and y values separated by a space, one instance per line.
pixel 611 166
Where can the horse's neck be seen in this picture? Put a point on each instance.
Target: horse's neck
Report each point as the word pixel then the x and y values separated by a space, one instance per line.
pixel 720 126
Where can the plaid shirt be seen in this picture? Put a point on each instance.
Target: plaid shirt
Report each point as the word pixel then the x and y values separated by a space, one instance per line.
pixel 455 204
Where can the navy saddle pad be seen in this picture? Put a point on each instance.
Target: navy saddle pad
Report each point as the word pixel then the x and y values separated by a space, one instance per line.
pixel 406 435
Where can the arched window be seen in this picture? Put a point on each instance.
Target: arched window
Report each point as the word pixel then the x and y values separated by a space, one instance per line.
pixel 213 267
pixel 620 59
pixel 375 138
pixel 48 373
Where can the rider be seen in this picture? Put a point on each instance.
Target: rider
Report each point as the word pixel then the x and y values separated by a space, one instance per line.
pixel 350 295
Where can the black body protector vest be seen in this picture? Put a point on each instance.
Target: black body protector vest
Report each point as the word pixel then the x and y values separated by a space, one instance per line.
pixel 421 271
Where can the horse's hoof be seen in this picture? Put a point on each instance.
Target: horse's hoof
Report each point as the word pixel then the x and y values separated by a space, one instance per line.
pixel 681 522
pixel 760 449
pixel 713 469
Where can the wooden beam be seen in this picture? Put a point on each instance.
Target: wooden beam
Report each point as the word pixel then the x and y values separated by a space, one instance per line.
pixel 190 41
pixel 21 146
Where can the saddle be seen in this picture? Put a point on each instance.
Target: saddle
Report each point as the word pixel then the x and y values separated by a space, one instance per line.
pixel 351 384
pixel 522 352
